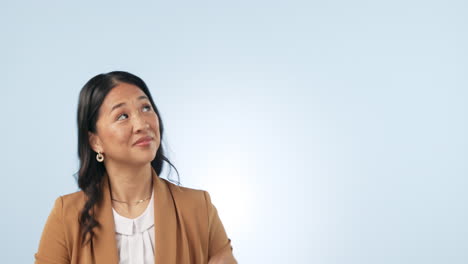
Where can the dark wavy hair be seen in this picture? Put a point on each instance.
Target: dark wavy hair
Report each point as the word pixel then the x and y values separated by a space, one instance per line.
pixel 91 172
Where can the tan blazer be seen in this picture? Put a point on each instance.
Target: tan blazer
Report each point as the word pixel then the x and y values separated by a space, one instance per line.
pixel 187 229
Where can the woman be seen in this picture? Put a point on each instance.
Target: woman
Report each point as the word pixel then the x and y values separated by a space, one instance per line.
pixel 126 213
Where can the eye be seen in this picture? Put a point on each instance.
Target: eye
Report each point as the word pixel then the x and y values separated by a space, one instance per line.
pixel 147 107
pixel 122 117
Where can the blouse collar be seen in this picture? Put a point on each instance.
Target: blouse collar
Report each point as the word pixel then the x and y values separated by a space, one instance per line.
pixel 128 226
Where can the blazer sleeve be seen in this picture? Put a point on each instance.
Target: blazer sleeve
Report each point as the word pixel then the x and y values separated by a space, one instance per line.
pixel 219 243
pixel 53 246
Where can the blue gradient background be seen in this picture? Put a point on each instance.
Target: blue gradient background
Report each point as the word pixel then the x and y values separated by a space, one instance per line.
pixel 325 131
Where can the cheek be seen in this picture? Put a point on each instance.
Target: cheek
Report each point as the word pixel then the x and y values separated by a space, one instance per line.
pixel 117 136
pixel 155 126
pixel 154 123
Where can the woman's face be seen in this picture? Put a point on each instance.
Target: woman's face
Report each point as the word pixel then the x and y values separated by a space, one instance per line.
pixel 127 127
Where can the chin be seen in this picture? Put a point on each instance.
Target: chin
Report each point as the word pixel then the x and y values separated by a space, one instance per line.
pixel 138 163
pixel 144 159
pixel 140 158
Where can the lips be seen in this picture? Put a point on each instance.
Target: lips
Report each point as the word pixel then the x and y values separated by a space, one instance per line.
pixel 143 140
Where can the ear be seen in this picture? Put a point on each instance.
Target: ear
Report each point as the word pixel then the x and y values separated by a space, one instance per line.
pixel 95 142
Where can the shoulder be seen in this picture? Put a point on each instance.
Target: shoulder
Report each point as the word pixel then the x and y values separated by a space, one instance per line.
pixel 69 206
pixel 74 200
pixel 188 197
pixel 185 193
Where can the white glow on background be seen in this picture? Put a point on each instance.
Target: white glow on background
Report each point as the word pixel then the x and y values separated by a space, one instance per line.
pixel 325 131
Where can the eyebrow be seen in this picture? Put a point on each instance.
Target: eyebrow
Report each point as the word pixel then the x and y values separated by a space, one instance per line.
pixel 122 104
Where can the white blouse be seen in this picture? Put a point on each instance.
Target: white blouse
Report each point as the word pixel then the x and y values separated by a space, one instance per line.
pixel 135 237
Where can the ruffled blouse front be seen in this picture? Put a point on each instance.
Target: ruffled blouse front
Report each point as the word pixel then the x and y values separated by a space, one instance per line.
pixel 135 237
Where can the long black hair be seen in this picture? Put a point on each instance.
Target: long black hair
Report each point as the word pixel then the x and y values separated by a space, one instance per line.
pixel 91 172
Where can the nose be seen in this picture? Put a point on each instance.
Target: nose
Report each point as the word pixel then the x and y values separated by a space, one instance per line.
pixel 139 123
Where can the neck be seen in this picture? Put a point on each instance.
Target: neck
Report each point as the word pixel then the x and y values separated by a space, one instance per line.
pixel 130 184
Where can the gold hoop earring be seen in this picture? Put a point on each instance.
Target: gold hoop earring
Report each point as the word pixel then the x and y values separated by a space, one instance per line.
pixel 100 157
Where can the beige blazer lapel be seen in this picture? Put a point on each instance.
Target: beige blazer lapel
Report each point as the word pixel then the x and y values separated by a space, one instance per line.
pixel 165 222
pixel 105 243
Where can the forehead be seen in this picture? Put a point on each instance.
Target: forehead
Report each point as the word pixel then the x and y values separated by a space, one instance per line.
pixel 122 93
